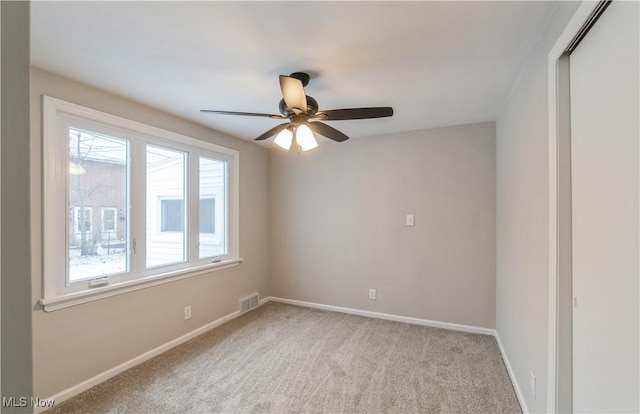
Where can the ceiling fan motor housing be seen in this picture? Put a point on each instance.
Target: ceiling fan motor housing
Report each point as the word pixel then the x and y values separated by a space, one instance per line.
pixel 302 77
pixel 297 120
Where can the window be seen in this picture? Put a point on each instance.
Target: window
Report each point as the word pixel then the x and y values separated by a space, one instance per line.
pixel 109 223
pixel 165 205
pixel 83 221
pixel 172 215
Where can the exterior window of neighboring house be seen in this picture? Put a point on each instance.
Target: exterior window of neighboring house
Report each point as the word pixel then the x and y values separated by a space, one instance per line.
pixel 172 215
pixel 167 205
pixel 84 219
pixel 109 219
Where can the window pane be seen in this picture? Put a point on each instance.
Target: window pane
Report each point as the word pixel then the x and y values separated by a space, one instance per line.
pixel 212 218
pixel 97 179
pixel 166 207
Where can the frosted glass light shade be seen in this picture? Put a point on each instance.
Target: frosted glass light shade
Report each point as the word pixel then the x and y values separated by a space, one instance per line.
pixel 305 138
pixel 284 139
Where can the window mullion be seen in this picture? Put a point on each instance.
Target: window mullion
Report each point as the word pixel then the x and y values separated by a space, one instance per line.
pixel 193 197
pixel 137 207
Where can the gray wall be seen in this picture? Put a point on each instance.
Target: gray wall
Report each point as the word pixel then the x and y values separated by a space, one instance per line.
pixel 523 217
pixel 74 344
pixel 17 375
pixel 338 224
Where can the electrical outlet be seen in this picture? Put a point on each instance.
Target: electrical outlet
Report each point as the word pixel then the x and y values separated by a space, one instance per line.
pixel 187 312
pixel 410 220
pixel 532 384
pixel 372 294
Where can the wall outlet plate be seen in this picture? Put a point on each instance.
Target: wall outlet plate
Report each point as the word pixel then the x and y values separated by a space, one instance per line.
pixel 187 312
pixel 372 294
pixel 410 220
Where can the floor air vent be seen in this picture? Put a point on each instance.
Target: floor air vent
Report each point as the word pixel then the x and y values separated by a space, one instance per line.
pixel 249 302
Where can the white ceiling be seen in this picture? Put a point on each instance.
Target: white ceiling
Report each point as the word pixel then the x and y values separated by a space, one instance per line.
pixel 435 63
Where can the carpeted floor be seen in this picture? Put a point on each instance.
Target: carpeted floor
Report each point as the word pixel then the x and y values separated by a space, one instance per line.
pixel 289 359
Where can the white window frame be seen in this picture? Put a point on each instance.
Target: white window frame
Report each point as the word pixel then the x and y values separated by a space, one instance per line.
pixel 58 117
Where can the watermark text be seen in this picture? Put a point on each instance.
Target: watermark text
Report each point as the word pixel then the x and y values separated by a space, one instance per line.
pixel 27 402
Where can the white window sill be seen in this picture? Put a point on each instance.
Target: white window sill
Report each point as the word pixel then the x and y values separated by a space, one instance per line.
pixel 89 295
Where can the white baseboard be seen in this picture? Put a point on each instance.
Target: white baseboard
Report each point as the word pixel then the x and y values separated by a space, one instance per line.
pixel 512 375
pixel 389 317
pixel 91 382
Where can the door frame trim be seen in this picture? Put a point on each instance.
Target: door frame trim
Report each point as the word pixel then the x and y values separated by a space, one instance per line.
pixel 580 17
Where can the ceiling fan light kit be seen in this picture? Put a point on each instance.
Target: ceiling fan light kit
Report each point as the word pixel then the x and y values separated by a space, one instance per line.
pixel 305 138
pixel 299 109
pixel 284 138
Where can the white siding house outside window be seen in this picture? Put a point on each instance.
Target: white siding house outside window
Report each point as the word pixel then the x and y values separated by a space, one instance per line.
pixel 166 206
pixel 212 212
pixel 147 206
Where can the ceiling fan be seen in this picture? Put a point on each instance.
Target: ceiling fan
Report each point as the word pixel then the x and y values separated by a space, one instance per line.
pixel 301 112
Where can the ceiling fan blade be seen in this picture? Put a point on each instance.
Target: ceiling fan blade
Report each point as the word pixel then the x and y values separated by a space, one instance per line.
pixel 293 94
pixel 327 131
pixel 273 131
pixel 355 113
pixel 208 111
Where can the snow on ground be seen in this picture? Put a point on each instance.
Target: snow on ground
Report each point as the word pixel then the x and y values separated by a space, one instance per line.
pixel 82 267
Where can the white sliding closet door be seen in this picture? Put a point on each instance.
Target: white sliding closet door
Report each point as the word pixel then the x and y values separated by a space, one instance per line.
pixel 604 73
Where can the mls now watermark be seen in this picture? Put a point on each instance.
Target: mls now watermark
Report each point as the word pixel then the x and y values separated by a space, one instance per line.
pixel 27 402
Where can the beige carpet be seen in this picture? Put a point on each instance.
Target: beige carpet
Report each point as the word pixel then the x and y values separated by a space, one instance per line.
pixel 289 359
